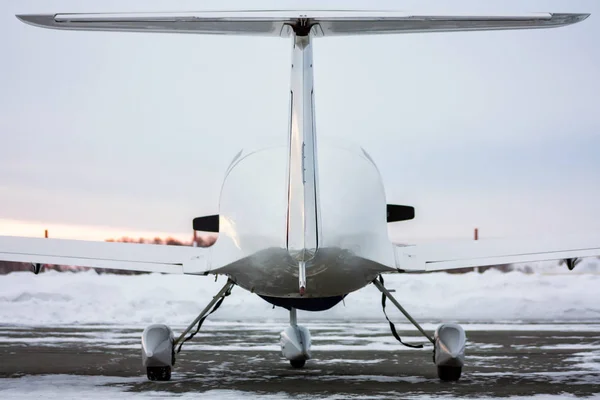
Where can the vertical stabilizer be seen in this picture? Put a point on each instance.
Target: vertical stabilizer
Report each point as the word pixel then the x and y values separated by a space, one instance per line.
pixel 303 185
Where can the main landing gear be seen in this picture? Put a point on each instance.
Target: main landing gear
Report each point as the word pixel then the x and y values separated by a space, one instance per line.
pixel 158 343
pixel 448 342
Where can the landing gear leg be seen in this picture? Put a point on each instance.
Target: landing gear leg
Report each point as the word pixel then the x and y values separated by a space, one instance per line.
pixel 295 342
pixel 448 342
pixel 158 343
pixel 216 302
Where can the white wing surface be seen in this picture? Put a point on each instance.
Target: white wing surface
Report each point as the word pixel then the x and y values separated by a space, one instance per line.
pixel 461 254
pixel 125 256
pixel 276 23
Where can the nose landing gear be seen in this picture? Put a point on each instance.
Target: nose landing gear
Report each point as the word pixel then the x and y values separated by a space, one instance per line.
pixel 295 342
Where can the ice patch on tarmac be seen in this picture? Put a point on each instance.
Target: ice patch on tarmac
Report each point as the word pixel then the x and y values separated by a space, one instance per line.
pixel 88 298
pixel 67 387
pixel 534 397
pixel 554 377
pixel 350 361
pixel 589 361
pixel 560 346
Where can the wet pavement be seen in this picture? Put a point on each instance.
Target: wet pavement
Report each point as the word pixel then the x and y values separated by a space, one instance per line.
pixel 349 360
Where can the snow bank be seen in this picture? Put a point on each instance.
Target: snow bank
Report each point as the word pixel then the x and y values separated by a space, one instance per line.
pixel 84 297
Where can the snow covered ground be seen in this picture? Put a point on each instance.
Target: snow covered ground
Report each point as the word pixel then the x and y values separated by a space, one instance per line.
pixel 102 387
pixel 52 298
pixel 90 387
pixel 78 387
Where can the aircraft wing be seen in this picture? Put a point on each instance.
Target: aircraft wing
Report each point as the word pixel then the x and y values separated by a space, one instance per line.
pixel 276 23
pixel 125 256
pixel 463 254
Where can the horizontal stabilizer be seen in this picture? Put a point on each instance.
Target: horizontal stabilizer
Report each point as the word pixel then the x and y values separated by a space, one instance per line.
pixel 125 256
pixel 480 253
pixel 280 23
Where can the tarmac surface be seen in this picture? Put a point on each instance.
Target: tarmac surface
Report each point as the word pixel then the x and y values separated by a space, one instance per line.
pixel 350 360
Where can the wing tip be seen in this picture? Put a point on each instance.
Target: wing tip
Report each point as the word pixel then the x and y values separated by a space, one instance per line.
pixel 39 20
pixel 569 19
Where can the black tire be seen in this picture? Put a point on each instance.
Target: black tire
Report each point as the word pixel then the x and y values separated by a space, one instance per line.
pixel 159 373
pixel 449 374
pixel 297 363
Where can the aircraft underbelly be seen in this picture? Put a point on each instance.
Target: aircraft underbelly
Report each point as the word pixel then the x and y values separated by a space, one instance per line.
pixel 353 243
pixel 332 272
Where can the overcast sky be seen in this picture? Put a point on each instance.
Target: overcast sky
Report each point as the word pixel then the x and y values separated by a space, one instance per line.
pixel 103 134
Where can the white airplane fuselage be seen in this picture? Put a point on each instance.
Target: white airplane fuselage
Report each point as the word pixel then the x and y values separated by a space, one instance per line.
pixel 302 223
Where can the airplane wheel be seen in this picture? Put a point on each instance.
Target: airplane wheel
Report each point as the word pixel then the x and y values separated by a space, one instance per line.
pixel 297 363
pixel 449 374
pixel 159 373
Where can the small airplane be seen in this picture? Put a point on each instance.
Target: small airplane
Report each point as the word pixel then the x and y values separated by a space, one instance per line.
pixel 309 233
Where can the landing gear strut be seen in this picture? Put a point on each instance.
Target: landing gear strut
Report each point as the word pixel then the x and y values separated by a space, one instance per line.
pixel 158 343
pixel 448 342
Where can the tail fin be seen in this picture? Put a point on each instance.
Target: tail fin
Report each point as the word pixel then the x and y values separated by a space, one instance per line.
pixel 282 23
